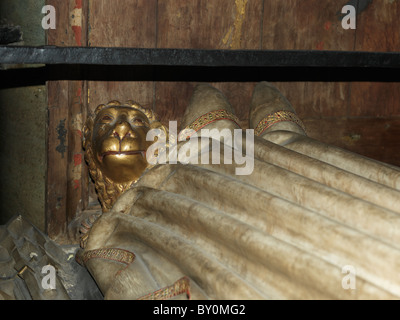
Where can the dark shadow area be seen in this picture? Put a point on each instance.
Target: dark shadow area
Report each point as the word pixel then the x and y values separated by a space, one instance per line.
pixel 38 76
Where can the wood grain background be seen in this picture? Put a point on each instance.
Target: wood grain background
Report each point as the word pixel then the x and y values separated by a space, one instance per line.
pixel 359 116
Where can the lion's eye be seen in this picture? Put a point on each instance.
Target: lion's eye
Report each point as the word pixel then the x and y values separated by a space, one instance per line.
pixel 106 118
pixel 138 122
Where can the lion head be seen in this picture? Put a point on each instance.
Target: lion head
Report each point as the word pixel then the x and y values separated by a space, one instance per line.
pixel 114 139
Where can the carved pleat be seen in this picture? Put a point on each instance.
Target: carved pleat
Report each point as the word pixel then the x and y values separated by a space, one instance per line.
pixel 371 169
pixel 283 232
pixel 303 263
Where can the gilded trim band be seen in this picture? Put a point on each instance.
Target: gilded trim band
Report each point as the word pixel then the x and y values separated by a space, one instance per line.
pixel 179 287
pixel 276 117
pixel 115 254
pixel 206 119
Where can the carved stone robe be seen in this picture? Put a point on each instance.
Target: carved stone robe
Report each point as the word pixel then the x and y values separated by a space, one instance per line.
pixel 311 221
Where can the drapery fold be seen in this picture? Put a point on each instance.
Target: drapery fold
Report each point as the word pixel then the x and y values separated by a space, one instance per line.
pixel 284 232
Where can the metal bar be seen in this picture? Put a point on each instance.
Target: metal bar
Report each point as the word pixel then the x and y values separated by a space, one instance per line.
pixel 197 58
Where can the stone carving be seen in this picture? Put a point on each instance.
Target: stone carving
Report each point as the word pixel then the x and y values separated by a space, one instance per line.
pixel 291 229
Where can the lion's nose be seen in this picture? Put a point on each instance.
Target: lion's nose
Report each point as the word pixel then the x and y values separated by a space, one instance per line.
pixel 123 130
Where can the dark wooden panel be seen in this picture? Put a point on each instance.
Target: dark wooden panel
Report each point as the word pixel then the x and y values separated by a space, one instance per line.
pixel 76 190
pixel 57 143
pixel 103 92
pixel 209 24
pixel 378 27
pixel 377 30
pixel 77 197
pixel 317 99
pixel 305 25
pixel 309 25
pixel 60 35
pixel 57 158
pixel 171 100
pixel 374 138
pixel 66 181
pixel 122 23
pixel 375 99
pixel 205 24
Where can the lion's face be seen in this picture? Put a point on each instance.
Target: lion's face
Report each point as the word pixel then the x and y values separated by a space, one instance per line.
pixel 119 143
pixel 115 147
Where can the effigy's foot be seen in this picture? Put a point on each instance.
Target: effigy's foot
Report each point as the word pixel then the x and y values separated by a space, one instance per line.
pixel 272 116
pixel 209 108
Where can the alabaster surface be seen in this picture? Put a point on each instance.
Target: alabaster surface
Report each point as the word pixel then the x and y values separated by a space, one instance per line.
pixel 290 229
